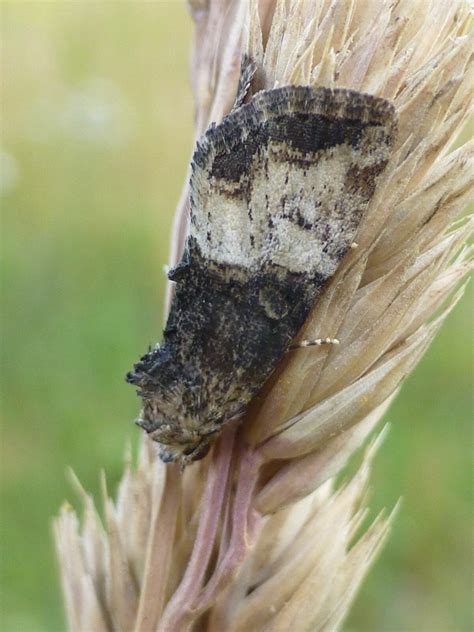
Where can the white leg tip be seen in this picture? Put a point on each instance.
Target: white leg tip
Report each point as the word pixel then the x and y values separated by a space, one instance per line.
pixel 315 343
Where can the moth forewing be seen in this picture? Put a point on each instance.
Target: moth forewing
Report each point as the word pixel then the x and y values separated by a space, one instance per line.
pixel 278 190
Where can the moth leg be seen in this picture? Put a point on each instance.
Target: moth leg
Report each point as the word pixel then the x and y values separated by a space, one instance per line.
pixel 317 342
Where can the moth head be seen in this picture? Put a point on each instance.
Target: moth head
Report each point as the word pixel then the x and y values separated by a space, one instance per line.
pixel 176 445
pixel 182 436
pixel 177 411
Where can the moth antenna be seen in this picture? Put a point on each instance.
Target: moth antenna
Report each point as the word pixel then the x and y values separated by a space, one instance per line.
pixel 317 342
pixel 248 68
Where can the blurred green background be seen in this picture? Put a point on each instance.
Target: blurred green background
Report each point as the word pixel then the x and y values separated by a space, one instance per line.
pixel 96 135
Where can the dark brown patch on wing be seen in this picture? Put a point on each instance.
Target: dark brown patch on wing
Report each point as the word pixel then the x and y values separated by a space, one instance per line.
pixel 364 179
pixel 306 133
pixel 313 124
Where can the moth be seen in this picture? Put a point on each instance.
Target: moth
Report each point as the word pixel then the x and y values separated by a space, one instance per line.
pixel 278 190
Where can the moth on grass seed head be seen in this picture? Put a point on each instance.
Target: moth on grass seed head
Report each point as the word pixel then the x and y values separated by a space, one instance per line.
pixel 278 190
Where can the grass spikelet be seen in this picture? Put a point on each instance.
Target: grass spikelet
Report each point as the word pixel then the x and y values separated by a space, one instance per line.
pixel 256 536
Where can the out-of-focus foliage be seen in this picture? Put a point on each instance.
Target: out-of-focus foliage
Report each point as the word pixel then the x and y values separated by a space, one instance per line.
pixel 96 134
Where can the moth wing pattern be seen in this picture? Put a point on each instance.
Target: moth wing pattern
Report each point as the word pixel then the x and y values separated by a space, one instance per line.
pixel 285 179
pixel 278 190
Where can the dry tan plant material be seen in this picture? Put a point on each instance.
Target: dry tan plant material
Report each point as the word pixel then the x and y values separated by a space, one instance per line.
pixel 255 537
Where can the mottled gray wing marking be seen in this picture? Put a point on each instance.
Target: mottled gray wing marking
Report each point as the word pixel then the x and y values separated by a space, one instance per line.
pixel 285 179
